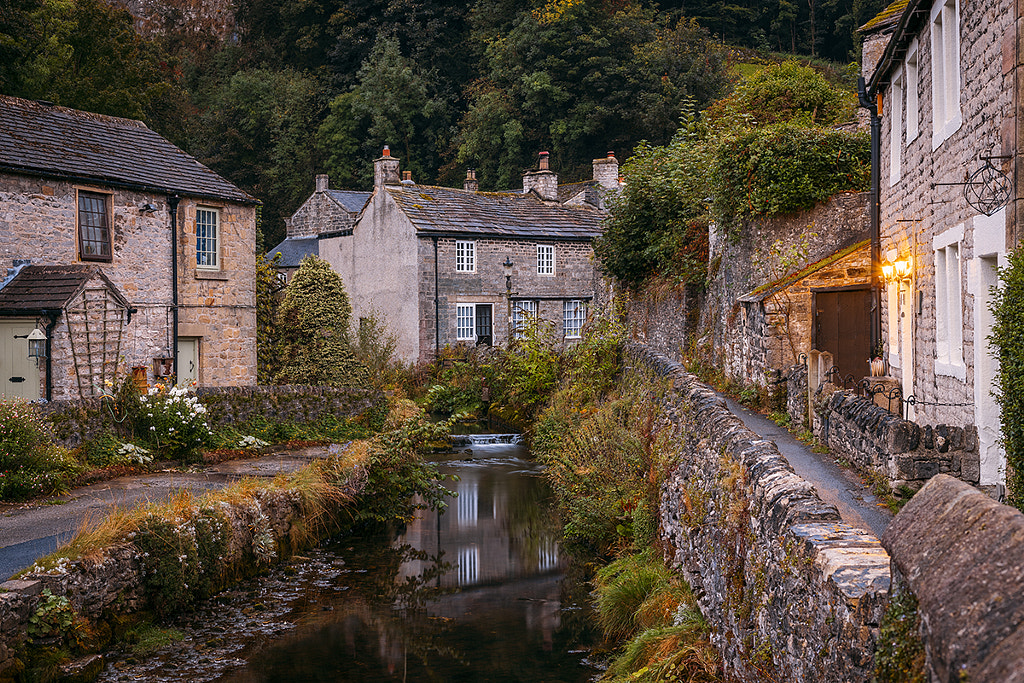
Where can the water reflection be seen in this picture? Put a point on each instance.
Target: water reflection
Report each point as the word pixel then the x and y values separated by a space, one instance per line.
pixel 496 609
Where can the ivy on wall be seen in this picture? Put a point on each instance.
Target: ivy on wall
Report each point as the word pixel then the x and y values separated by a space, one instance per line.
pixel 1008 338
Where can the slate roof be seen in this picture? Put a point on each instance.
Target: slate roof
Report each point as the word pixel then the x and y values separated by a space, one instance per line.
pixel 912 16
pixel 352 201
pixel 444 210
pixel 50 141
pixel 294 249
pixel 39 288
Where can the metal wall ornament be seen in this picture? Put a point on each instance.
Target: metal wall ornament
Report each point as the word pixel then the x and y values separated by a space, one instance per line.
pixel 987 189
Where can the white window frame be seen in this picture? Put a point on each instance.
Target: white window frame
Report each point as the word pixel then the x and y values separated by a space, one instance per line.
pixel 912 82
pixel 945 35
pixel 465 322
pixel 574 314
pixel 207 254
pixel 523 311
pixel 465 256
pixel 949 328
pixel 896 126
pixel 545 259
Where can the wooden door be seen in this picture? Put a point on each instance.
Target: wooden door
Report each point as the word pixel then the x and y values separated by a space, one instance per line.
pixel 188 360
pixel 842 326
pixel 19 374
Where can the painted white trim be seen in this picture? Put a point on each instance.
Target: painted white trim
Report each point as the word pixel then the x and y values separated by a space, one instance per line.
pixel 945 43
pixel 896 127
pixel 953 235
pixel 990 234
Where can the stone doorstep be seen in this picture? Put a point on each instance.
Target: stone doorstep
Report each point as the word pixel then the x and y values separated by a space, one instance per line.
pixel 22 587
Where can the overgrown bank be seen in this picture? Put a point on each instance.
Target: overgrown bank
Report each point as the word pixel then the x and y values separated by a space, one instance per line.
pixel 160 560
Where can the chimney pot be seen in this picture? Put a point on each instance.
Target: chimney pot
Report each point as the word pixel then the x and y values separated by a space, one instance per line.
pixel 470 184
pixel 543 161
pixel 387 151
pixel 385 170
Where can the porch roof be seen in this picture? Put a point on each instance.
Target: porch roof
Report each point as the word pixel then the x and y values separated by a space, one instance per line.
pixel 766 290
pixel 46 289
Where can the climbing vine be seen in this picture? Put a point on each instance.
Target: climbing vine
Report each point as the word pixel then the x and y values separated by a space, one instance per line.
pixel 1008 338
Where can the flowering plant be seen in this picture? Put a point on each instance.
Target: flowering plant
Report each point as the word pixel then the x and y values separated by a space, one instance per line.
pixel 173 421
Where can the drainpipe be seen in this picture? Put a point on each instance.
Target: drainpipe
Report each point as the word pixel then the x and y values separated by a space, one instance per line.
pixel 49 351
pixel 437 307
pixel 874 211
pixel 172 206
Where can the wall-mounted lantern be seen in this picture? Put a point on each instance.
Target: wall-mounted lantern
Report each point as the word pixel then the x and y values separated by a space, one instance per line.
pixel 895 272
pixel 36 344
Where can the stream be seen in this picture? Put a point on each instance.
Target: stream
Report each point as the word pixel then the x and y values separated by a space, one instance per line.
pixel 479 592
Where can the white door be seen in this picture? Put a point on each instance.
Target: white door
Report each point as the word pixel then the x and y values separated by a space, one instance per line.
pixel 19 374
pixel 188 360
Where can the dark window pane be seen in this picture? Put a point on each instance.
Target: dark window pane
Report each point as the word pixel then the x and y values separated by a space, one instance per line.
pixel 93 226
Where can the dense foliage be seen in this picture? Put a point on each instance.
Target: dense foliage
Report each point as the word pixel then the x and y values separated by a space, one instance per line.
pixel 299 88
pixel 1008 338
pixel 313 329
pixel 768 148
pixel 30 465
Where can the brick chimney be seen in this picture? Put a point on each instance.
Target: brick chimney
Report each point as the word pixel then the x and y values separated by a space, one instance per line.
pixel 543 181
pixel 321 182
pixel 606 172
pixel 385 170
pixel 470 184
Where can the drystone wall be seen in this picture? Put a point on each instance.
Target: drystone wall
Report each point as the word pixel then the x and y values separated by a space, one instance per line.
pixel 875 440
pixel 792 592
pixel 105 590
pixel 664 320
pixel 72 422
pixel 959 552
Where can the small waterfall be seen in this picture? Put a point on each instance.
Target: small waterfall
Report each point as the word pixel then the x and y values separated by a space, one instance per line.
pixel 459 440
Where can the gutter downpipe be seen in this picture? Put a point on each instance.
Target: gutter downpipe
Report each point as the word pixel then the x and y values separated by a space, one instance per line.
pixel 437 307
pixel 52 315
pixel 874 212
pixel 172 207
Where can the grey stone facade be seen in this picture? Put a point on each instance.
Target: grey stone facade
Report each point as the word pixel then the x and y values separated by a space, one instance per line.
pixel 936 321
pixel 400 261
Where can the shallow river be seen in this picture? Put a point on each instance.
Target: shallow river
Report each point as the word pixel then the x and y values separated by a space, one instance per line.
pixel 480 592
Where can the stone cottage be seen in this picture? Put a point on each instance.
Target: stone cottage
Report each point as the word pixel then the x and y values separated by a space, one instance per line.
pixel 943 80
pixel 124 254
pixel 448 266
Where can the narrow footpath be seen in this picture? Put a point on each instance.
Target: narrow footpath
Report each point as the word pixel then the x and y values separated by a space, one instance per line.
pixel 36 529
pixel 835 485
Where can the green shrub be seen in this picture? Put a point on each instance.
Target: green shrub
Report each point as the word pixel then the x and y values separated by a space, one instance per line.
pixel 1008 338
pixel 173 422
pixel 21 434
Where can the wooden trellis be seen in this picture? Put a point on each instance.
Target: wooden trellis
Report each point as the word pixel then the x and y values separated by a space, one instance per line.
pixel 96 321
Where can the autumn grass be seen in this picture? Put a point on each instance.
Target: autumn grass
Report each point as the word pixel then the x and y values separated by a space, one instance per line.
pixel 642 600
pixel 321 488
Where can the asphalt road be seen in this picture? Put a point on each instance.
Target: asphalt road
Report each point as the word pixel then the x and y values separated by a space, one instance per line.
pixel 31 531
pixel 836 485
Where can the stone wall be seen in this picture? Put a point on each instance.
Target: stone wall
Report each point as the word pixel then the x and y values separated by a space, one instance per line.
pixel 959 552
pixel 319 214
pixel 664 319
pixel 74 421
pixel 791 592
pixel 875 440
pixel 746 335
pixel 109 586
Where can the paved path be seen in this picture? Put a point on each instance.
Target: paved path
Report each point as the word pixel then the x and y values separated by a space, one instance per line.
pixel 835 485
pixel 28 532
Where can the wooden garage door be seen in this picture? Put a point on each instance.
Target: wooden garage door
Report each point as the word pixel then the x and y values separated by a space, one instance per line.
pixel 842 326
pixel 19 376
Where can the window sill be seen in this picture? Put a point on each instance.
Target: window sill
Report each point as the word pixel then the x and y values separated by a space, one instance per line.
pixel 201 274
pixel 955 371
